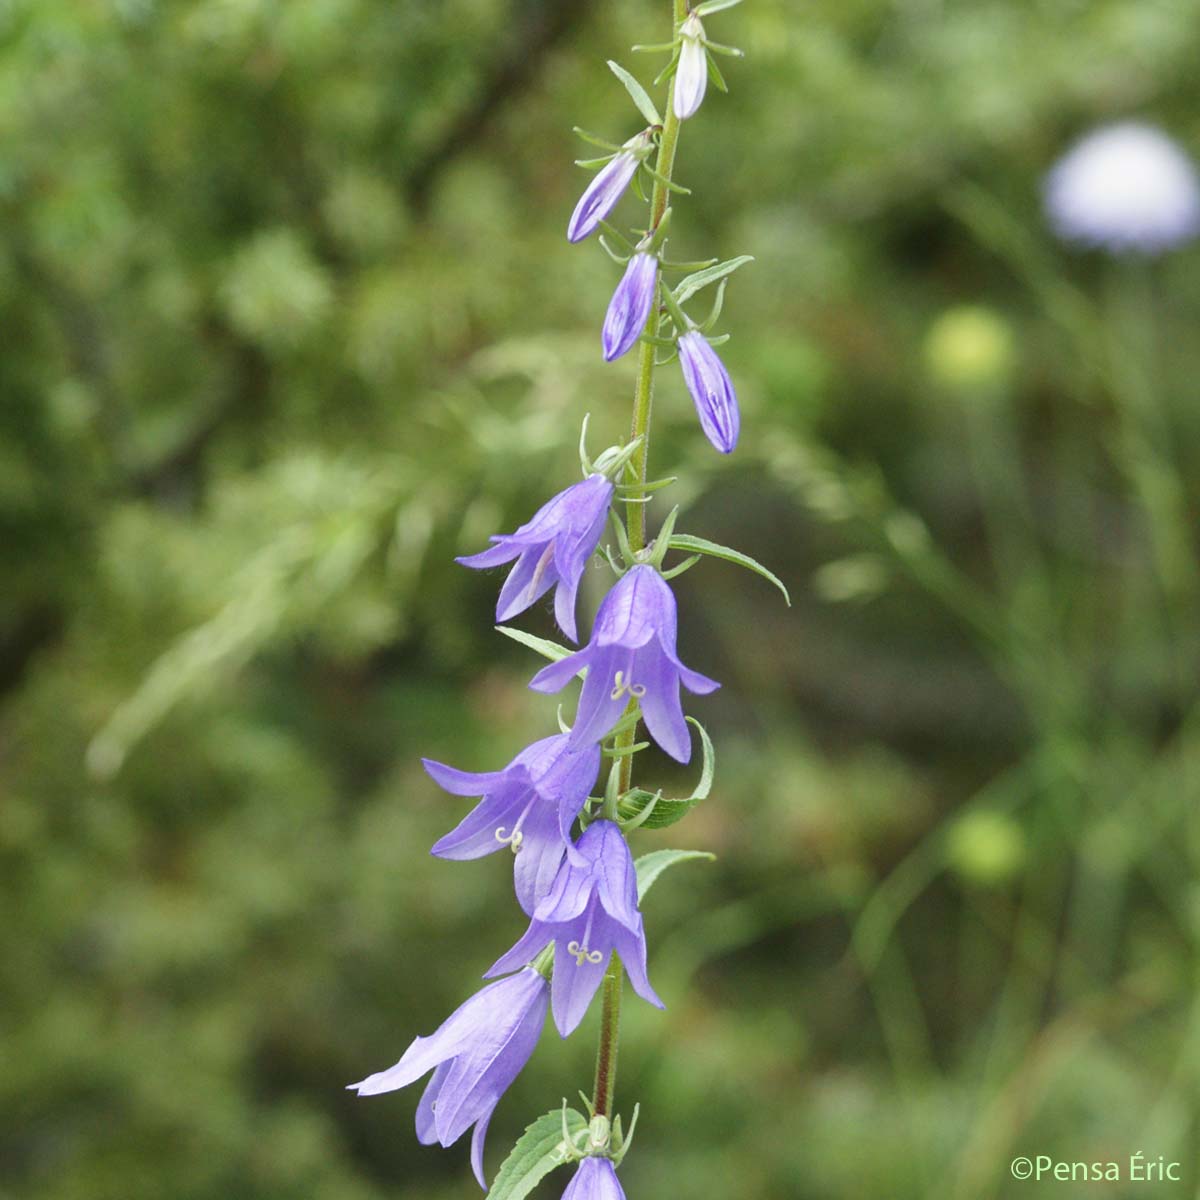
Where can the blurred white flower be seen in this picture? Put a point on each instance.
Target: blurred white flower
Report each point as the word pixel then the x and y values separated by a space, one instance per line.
pixel 1125 187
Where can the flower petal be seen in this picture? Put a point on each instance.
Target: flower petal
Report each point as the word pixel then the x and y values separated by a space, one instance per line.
pixel 556 676
pixel 463 783
pixel 475 836
pixel 504 1035
pixel 531 943
pixel 575 981
pixel 426 1133
pixel 632 949
pixel 503 552
pixel 477 1140
pixel 661 707
pixel 601 702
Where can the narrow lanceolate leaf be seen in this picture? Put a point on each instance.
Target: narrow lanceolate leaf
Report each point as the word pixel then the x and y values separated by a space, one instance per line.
pixel 537 1152
pixel 650 866
pixel 637 93
pixel 696 545
pixel 713 6
pixel 550 650
pixel 665 811
pixel 688 287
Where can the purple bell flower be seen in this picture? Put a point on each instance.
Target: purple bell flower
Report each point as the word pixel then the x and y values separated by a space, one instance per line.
pixel 711 389
pixel 631 654
pixel 606 189
pixel 529 807
pixel 474 1055
pixel 595 1179
pixel 552 550
pixel 589 912
pixel 630 307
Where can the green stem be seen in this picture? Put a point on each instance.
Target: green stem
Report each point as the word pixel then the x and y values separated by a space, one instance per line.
pixel 643 400
pixel 643 395
pixel 610 1034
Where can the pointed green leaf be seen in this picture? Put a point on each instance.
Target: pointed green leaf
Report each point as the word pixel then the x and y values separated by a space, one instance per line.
pixel 713 6
pixel 667 811
pixel 637 93
pixel 537 1152
pixel 696 545
pixel 550 650
pixel 650 866
pixel 689 286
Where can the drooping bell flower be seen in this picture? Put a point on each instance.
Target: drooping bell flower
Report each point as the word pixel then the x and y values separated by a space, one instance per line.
pixel 630 307
pixel 552 551
pixel 528 807
pixel 631 654
pixel 1126 187
pixel 590 912
pixel 712 391
pixel 474 1056
pixel 595 1179
pixel 691 76
pixel 600 197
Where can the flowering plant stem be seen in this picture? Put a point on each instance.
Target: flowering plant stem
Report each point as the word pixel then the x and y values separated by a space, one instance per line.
pixel 643 401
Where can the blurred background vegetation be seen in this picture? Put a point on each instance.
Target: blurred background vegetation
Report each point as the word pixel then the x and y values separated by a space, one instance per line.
pixel 289 319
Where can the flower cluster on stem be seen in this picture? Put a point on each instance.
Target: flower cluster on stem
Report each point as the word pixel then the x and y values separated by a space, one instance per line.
pixel 564 819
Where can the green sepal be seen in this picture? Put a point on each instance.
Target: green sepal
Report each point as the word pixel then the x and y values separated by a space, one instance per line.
pixel 686 565
pixel 650 866
pixel 538 1151
pixel 667 811
pixel 715 314
pixel 668 70
pixel 689 286
pixel 714 72
pixel 637 93
pixel 591 164
pixel 669 184
pixel 593 140
pixel 697 545
pixel 713 6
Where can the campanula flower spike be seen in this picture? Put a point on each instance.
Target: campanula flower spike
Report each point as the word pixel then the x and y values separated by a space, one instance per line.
pixel 585 932
pixel 590 913
pixel 552 550
pixel 631 655
pixel 528 807
pixel 474 1055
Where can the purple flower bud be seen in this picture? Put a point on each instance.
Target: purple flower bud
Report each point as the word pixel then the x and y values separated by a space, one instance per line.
pixel 630 307
pixel 551 549
pixel 602 194
pixel 528 807
pixel 631 653
pixel 474 1055
pixel 691 76
pixel 590 911
pixel 595 1179
pixel 712 391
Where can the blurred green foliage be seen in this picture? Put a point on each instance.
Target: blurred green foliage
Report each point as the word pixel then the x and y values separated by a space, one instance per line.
pixel 289 320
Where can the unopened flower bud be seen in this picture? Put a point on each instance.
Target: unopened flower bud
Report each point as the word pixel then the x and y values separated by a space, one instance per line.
pixel 607 188
pixel 712 391
pixel 691 77
pixel 630 306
